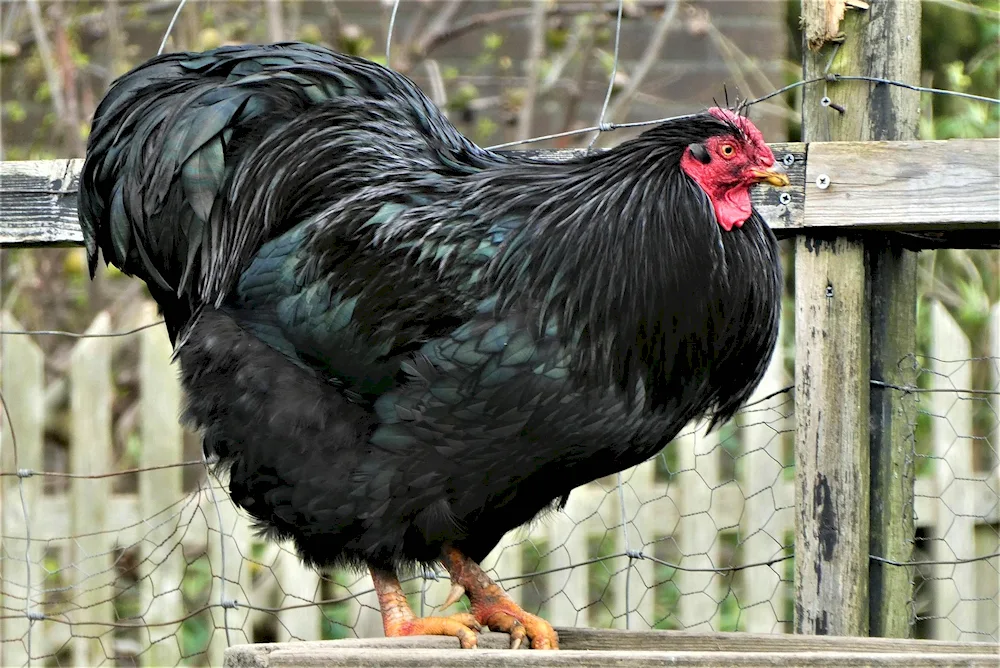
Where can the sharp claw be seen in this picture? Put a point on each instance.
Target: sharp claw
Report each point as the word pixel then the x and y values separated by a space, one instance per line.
pixel 456 592
pixel 515 643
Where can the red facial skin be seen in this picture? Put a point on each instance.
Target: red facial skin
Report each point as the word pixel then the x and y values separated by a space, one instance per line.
pixel 727 177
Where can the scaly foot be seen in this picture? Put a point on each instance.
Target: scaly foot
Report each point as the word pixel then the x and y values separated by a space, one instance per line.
pixel 492 606
pixel 398 618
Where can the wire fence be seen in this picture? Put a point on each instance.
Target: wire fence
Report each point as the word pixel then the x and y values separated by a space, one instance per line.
pixel 119 547
pixel 115 558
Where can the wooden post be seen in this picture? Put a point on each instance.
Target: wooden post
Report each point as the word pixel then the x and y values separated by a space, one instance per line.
pixel 893 41
pixel 868 509
pixel 832 363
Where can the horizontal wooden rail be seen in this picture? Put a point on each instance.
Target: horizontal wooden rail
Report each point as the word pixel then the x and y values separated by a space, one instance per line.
pixel 937 193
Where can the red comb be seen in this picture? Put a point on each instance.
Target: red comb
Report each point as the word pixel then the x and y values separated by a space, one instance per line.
pixel 742 122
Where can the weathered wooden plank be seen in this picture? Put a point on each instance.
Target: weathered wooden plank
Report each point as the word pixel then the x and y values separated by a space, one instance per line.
pixel 91 397
pixel 608 647
pixel 831 438
pixel 893 276
pixel 498 658
pixel 22 381
pixel 893 290
pixel 832 370
pixel 913 184
pixel 573 638
pixel 943 190
pixel 38 202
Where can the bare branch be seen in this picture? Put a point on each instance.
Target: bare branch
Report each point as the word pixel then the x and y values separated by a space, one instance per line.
pixel 433 40
pixel 41 38
pixel 436 81
pixel 619 109
pixel 275 21
pixel 536 50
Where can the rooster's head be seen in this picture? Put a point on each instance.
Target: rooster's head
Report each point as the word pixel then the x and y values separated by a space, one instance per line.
pixel 728 163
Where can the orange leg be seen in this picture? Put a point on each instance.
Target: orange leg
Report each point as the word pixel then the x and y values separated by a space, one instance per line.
pixel 398 618
pixel 492 606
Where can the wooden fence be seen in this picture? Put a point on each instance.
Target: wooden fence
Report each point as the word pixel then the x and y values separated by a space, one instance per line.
pixel 708 502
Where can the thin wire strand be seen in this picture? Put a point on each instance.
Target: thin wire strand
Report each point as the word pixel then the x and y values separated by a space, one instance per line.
pixel 76 335
pixel 388 35
pixel 223 601
pixel 170 26
pixel 913 389
pixel 27 524
pixel 749 103
pixel 946 562
pixel 611 85
pixel 919 89
pixel 28 473
pixel 628 549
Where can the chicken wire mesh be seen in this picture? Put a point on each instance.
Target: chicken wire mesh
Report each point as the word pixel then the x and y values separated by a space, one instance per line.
pixel 697 538
pixel 143 563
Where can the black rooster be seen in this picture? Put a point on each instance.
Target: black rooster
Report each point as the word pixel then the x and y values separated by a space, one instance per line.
pixel 401 345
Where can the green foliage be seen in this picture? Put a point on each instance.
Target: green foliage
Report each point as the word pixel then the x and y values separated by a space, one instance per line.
pixel 14 111
pixel 960 52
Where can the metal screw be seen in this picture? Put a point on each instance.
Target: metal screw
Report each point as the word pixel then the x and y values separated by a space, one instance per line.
pixel 827 102
pixel 784 198
pixel 788 159
pixel 822 181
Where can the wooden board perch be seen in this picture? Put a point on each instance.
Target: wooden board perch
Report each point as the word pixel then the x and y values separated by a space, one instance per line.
pixel 938 193
pixel 602 648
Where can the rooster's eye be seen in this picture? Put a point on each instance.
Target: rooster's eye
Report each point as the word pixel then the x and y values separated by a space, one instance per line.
pixel 727 150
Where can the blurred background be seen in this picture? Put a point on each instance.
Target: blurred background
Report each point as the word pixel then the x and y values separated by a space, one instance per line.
pixel 503 70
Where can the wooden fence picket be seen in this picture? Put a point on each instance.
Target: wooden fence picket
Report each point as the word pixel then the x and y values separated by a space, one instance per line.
pixel 161 495
pixel 22 381
pixel 698 539
pixel 92 552
pixel 954 532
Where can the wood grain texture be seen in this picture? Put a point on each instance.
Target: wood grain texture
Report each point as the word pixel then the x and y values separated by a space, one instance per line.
pixel 884 185
pixel 636 659
pixel 832 372
pixel 893 114
pixel 615 647
pixel 38 202
pixel 821 21
pixel 831 437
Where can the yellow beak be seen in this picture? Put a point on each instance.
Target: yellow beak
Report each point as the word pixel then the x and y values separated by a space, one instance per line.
pixel 776 176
